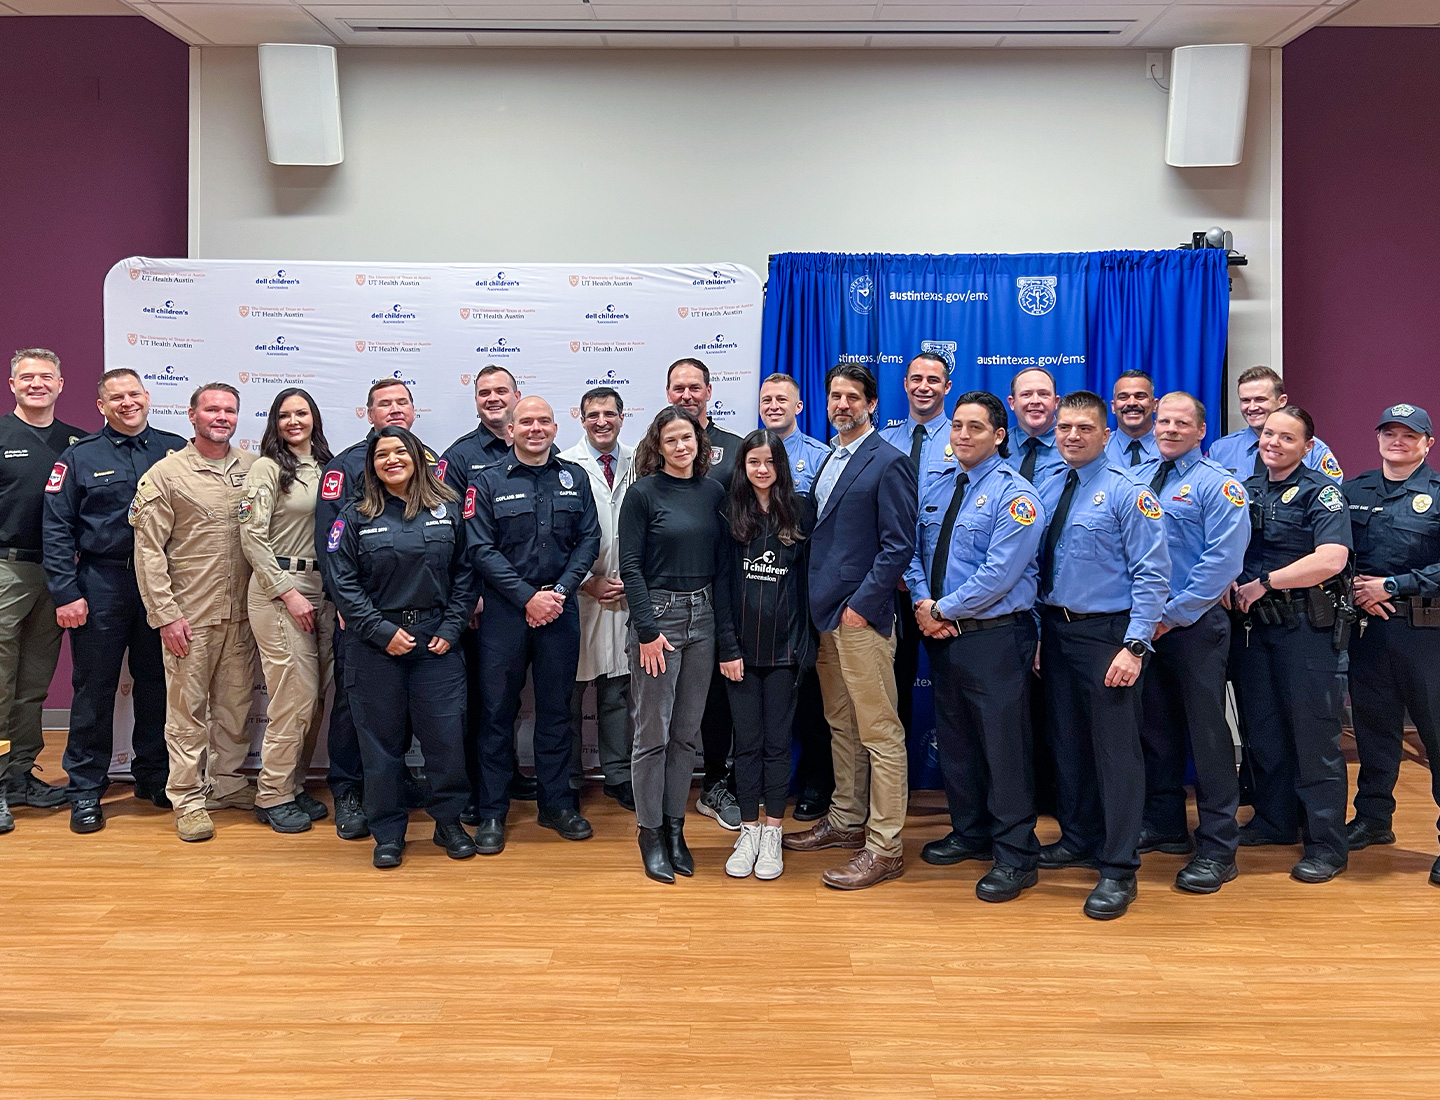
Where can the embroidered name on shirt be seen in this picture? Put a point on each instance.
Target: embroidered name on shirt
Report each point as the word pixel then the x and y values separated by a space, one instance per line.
pixel 509 496
pixel 373 530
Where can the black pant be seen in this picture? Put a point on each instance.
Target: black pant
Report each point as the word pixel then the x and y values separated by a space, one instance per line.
pixel 982 730
pixel 116 623
pixel 1185 698
pixel 427 689
pixel 342 741
pixel 509 648
pixel 907 659
pixel 1289 687
pixel 474 697
pixel 816 769
pixel 1095 730
pixel 763 706
pixel 717 728
pixel 1394 668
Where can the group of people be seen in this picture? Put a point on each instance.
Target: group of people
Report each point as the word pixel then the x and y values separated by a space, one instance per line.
pixel 1082 595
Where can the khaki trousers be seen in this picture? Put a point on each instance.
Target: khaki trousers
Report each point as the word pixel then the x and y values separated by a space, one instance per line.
pixel 856 667
pixel 298 669
pixel 29 648
pixel 207 700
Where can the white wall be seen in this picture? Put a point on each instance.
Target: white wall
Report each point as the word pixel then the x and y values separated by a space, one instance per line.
pixel 589 155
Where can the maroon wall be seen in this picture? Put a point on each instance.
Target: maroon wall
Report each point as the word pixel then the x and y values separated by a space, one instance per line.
pixel 1361 205
pixel 94 128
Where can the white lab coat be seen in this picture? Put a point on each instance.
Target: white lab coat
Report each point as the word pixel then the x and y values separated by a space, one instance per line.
pixel 602 629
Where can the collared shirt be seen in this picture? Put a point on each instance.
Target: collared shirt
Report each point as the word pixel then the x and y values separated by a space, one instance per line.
pixel 1289 518
pixel 1112 556
pixel 1207 527
pixel 936 457
pixel 467 456
pixel 1048 461
pixel 275 524
pixel 1118 449
pixel 724 446
pixel 991 568
pixel 834 466
pixel 1397 530
pixel 85 512
pixel 806 455
pixel 1237 452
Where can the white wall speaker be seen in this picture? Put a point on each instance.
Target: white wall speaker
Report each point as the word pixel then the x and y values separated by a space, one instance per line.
pixel 300 99
pixel 1209 88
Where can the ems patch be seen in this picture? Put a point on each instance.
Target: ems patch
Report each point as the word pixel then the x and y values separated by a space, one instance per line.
pixel 1289 494
pixel 1330 467
pixel 567 479
pixel 470 503
pixel 1022 511
pixel 333 485
pixel 1421 503
pixel 1148 505
pixel 1332 500
pixel 336 530
pixel 245 509
pixel 56 479
pixel 1233 493
pixel 441 467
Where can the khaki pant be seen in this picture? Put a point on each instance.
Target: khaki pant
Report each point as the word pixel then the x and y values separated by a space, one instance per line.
pixel 207 700
pixel 856 667
pixel 29 648
pixel 298 669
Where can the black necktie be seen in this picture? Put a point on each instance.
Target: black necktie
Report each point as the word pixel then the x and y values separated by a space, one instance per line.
pixel 1134 451
pixel 1161 474
pixel 1259 462
pixel 917 444
pixel 1027 464
pixel 942 545
pixel 1053 532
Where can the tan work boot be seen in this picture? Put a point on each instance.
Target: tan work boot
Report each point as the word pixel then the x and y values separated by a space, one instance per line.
pixel 243 799
pixel 195 825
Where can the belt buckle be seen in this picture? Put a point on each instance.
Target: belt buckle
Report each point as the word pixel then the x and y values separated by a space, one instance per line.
pixel 409 618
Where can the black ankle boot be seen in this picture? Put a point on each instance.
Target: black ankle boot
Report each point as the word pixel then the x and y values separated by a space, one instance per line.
pixel 680 858
pixel 654 856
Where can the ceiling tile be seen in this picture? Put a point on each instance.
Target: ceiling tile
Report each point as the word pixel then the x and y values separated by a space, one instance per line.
pixel 925 41
pixel 649 13
pixel 1207 24
pixel 525 12
pixel 246 24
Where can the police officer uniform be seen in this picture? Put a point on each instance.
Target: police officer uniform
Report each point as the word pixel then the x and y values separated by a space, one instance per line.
pixel 1207 527
pixel 1035 457
pixel 977 539
pixel 1239 452
pixel 467 456
pixel 1104 579
pixel 389 572
pixel 1128 453
pixel 1393 661
pixel 724 446
pixel 806 455
pixel 531 528
pixel 90 555
pixel 1288 670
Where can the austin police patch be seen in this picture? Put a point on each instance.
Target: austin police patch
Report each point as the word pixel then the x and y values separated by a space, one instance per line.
pixel 1148 505
pixel 333 485
pixel 56 479
pixel 1022 511
pixel 1421 502
pixel 1330 466
pixel 1233 493
pixel 336 530
pixel 567 479
pixel 469 512
pixel 1332 500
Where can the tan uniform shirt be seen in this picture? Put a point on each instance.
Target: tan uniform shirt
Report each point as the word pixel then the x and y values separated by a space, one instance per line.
pixel 275 524
pixel 186 515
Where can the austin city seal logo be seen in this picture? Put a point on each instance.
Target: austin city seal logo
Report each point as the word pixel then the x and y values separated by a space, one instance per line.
pixel 1037 294
pixel 861 291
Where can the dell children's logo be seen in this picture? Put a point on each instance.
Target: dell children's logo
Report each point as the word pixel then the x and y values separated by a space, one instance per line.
pixel 169 309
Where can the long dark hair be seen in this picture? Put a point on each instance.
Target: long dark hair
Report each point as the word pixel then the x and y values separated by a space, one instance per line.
pixel 650 459
pixel 279 452
pixel 425 489
pixel 747 521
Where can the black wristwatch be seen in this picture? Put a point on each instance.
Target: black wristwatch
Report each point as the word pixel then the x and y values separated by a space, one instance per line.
pixel 560 590
pixel 1137 647
pixel 1391 586
pixel 935 613
pixel 1264 580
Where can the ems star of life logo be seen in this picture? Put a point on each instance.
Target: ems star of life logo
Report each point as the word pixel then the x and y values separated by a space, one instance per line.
pixel 574 280
pixel 1037 293
pixel 574 345
pixel 861 296
pixel 132 337
pixel 684 311
pixel 244 311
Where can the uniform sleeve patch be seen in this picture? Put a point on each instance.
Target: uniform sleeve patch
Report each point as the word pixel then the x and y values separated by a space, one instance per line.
pixel 245 509
pixel 1330 466
pixel 1234 493
pixel 1022 511
pixel 332 485
pixel 336 530
pixel 470 503
pixel 56 480
pixel 441 467
pixel 1148 505
pixel 1330 497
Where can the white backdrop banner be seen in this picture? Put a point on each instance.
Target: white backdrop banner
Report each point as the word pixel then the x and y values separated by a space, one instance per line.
pixel 336 328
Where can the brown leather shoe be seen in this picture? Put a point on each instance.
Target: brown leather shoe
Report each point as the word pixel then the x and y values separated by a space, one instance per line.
pixel 864 869
pixel 824 835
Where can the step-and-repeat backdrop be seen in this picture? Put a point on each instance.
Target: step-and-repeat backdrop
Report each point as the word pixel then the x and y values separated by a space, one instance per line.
pixel 336 328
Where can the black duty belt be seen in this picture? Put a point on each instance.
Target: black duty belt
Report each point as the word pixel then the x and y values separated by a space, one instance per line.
pixel 298 565
pixel 1079 616
pixel 11 553
pixel 969 626
pixel 412 616
pixel 114 560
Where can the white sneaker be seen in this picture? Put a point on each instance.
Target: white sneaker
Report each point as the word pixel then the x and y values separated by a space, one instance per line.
pixel 742 859
pixel 770 863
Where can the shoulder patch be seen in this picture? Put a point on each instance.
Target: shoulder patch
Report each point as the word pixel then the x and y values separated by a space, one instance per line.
pixel 1330 466
pixel 332 485
pixel 441 467
pixel 336 530
pixel 1148 505
pixel 246 507
pixel 469 511
pixel 1330 497
pixel 1233 492
pixel 56 480
pixel 1022 511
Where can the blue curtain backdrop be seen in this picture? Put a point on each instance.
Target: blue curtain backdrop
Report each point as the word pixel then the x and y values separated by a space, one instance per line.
pixel 1084 316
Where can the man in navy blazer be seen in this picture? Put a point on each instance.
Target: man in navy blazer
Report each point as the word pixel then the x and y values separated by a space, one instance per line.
pixel 866 501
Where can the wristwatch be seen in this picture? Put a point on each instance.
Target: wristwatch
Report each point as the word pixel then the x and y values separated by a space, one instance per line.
pixel 560 590
pixel 1392 588
pixel 935 613
pixel 1137 647
pixel 1264 580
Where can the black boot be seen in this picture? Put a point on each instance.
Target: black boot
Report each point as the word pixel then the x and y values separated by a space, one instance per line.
pixel 680 858
pixel 653 854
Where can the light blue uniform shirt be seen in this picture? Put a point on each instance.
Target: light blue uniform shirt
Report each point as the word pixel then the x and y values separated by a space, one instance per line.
pixel 824 485
pixel 935 456
pixel 806 455
pixel 1207 527
pixel 990 570
pixel 1047 458
pixel 1118 449
pixel 1237 451
pixel 1112 555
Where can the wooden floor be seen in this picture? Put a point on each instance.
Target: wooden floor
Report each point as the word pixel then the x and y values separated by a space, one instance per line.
pixel 257 966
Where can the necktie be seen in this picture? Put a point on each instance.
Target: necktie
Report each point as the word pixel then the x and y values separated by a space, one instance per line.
pixel 607 462
pixel 917 443
pixel 1134 452
pixel 1027 464
pixel 1053 532
pixel 1161 474
pixel 1259 462
pixel 947 529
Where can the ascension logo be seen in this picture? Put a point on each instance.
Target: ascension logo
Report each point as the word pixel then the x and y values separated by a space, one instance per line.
pixel 500 348
pixel 608 316
pixel 944 348
pixel 395 315
pixel 167 377
pixel 169 309
pixel 714 281
pixel 717 346
pixel 862 299
pixel 280 346
pixel 278 281
pixel 1037 293
pixel 500 282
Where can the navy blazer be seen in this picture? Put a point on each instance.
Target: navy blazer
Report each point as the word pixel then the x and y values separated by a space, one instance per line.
pixel 864 538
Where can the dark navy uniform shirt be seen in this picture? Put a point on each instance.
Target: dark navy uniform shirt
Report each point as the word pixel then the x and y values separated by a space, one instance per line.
pixel 87 504
pixel 1289 518
pixel 1397 530
pixel 724 447
pixel 467 456
pixel 27 460
pixel 532 526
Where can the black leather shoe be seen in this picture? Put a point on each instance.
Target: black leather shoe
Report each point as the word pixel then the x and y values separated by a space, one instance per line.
pixel 451 836
pixel 287 817
pixel 1435 873
pixel 490 836
pixel 154 793
pixel 415 790
pixel 1110 898
pixel 350 823
pixel 622 793
pixel 681 861
pixel 388 855
pixel 811 806
pixel 311 806
pixel 1254 838
pixel 470 815
pixel 30 790
pixel 523 788
pixel 1055 856
pixel 952 848
pixel 1314 869
pixel 654 856
pixel 567 821
pixel 86 816
pixel 1180 845
pixel 1004 883
pixel 1205 876
pixel 1361 833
